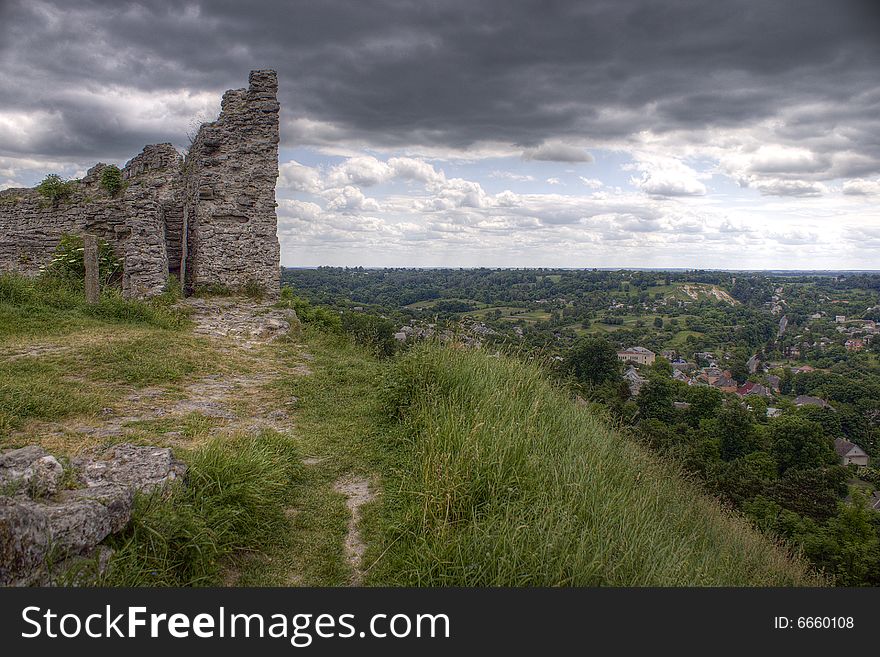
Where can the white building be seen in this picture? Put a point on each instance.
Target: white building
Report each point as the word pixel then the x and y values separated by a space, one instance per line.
pixel 638 355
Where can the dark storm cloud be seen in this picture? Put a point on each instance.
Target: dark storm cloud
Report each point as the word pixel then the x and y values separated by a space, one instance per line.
pixel 449 74
pixel 557 153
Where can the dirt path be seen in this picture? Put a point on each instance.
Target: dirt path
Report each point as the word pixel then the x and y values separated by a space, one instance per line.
pixel 230 403
pixel 358 492
pixel 250 377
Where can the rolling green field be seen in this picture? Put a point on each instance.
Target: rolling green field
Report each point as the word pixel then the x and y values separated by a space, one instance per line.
pixel 431 303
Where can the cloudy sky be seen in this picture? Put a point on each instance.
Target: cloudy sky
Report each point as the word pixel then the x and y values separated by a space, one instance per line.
pixel 683 133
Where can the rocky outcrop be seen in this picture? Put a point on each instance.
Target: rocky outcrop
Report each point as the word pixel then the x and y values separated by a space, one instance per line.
pixel 43 524
pixel 30 469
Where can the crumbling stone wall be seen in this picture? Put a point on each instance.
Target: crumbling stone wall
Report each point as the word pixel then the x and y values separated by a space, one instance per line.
pixel 208 220
pixel 31 226
pixel 153 181
pixel 231 171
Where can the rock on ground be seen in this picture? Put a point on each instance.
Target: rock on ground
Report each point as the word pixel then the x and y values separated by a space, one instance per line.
pixel 246 322
pixel 40 523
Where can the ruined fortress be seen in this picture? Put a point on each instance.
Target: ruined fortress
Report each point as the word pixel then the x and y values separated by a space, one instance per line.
pixel 207 218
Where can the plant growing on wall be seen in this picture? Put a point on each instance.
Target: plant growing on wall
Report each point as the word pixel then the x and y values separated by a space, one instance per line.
pixel 111 179
pixel 67 263
pixel 54 188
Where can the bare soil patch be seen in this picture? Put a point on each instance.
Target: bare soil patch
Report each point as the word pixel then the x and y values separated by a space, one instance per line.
pixel 358 492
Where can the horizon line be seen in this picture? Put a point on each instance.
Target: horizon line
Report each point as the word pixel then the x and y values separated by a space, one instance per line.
pixel 670 269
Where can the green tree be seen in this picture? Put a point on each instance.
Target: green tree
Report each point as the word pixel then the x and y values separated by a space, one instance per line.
pixel 848 545
pixel 705 402
pixel 786 381
pixel 735 428
pixel 759 407
pixel 813 493
pixel 699 453
pixel 827 418
pixel 662 366
pixel 593 360
pixel 655 398
pixel 658 434
pixel 739 370
pixel 658 322
pixel 799 443
pixel 744 478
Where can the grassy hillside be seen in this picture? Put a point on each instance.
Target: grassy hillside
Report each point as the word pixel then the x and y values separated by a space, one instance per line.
pixel 484 472
pixel 502 481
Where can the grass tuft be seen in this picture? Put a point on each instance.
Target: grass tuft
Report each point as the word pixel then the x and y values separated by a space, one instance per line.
pixel 232 502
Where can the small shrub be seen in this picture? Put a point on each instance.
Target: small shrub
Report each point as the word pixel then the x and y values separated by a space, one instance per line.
pixel 254 290
pixel 308 314
pixel 371 331
pixel 54 188
pixel 68 263
pixel 111 179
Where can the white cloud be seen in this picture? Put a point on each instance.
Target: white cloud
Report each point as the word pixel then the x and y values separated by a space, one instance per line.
pixel 456 222
pixel 350 199
pixel 779 159
pixel 292 208
pixel 665 176
pixel 511 176
pixel 592 183
pixel 779 187
pixel 861 187
pixel 507 199
pixel 554 181
pixel 366 171
pixel 299 178
pixel 458 193
pixel 408 168
pixel 363 170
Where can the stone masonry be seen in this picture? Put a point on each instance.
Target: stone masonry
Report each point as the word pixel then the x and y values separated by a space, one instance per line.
pixel 208 219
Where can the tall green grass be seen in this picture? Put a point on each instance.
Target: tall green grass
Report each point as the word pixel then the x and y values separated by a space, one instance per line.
pixel 502 481
pixel 232 501
pixel 45 306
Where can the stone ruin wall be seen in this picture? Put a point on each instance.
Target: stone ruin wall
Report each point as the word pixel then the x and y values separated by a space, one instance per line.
pixel 230 211
pixel 208 220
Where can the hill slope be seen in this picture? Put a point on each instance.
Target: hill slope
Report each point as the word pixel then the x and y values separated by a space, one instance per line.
pixel 503 481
